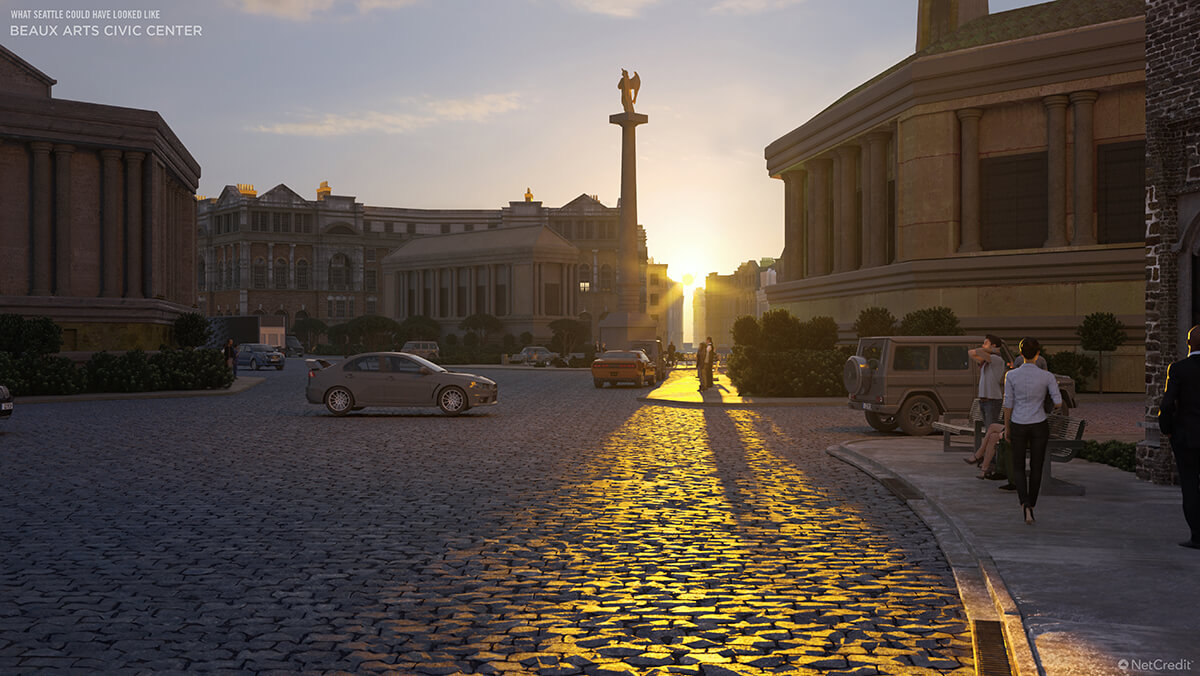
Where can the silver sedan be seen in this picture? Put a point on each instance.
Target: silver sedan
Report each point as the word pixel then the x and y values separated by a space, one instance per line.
pixel 394 379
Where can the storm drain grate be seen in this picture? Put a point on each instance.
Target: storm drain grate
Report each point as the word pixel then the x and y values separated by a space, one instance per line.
pixel 901 488
pixel 991 659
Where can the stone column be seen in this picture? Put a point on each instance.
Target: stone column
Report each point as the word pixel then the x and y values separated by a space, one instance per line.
pixel 490 300
pixel 845 246
pixel 62 219
pixel 793 224
pixel 270 265
pixel 112 263
pixel 43 224
pixel 818 217
pixel 969 226
pixel 133 225
pixel 291 283
pixel 875 212
pixel 1056 169
pixel 628 283
pixel 1085 168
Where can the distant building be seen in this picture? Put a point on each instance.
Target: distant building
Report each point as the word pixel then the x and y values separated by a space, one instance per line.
pixel 97 224
pixel 997 171
pixel 727 297
pixel 664 303
pixel 281 254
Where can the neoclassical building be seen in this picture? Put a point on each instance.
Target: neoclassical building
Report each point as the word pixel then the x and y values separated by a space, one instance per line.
pixel 98 217
pixel 998 171
pixel 279 253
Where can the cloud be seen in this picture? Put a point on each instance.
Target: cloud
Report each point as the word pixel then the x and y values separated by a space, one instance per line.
pixel 618 8
pixel 751 6
pixel 303 10
pixel 428 113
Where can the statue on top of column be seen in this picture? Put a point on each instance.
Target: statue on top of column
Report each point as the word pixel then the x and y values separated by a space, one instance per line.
pixel 629 87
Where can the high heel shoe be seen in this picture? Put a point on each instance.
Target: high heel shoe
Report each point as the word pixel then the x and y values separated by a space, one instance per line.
pixel 1028 515
pixel 973 461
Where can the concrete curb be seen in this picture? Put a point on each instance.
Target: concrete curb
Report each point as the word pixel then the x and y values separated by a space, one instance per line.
pixel 241 384
pixel 980 586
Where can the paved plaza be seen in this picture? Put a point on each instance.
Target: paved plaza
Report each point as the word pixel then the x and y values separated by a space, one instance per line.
pixel 568 530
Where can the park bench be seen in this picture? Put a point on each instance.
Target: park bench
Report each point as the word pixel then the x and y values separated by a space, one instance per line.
pixel 973 426
pixel 1066 440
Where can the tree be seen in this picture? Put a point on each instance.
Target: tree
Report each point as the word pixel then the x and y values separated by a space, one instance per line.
pixel 309 330
pixel 373 331
pixel 875 321
pixel 192 330
pixel 746 331
pixel 526 339
pixel 451 340
pixel 509 342
pixel 780 331
pixel 34 337
pixel 482 324
pixel 420 327
pixel 568 335
pixel 1101 332
pixel 931 321
pixel 818 333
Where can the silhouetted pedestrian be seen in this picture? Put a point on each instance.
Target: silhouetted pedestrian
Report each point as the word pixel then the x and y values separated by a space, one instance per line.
pixel 1179 421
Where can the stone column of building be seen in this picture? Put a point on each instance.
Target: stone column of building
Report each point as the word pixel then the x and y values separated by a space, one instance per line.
pixel 875 211
pixel 1085 174
pixel 111 216
pixel 43 231
pixel 970 238
pixel 818 216
pixel 133 225
pixel 490 296
pixel 1056 169
pixel 62 219
pixel 793 224
pixel 845 246
pixel 270 265
pixel 291 282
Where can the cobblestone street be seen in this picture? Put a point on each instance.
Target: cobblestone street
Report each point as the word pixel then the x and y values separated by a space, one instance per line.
pixel 568 530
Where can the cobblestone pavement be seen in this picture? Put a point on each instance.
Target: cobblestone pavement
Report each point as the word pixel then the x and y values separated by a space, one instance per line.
pixel 566 531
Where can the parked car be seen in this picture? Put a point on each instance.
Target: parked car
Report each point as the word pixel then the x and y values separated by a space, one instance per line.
pixel 534 355
pixel 293 347
pixel 616 366
pixel 908 381
pixel 423 348
pixel 259 355
pixel 394 379
pixel 6 402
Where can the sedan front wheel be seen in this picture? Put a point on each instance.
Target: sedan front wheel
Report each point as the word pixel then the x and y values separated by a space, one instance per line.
pixel 452 401
pixel 339 401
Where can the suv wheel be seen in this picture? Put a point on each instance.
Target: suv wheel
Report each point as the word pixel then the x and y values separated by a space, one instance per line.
pixel 916 416
pixel 883 423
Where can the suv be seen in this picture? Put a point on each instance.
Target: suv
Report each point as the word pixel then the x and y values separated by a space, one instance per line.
pixel 908 381
pixel 422 348
pixel 293 347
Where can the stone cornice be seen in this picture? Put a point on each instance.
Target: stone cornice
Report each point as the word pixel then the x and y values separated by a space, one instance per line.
pixel 1039 61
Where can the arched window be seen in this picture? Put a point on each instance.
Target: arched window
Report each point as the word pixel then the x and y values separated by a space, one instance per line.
pixel 585 278
pixel 228 265
pixel 258 276
pixel 220 280
pixel 281 273
pixel 606 277
pixel 301 314
pixel 339 273
pixel 201 273
pixel 283 313
pixel 301 274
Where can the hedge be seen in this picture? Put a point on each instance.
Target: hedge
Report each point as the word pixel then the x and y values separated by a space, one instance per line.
pixel 134 371
pixel 788 373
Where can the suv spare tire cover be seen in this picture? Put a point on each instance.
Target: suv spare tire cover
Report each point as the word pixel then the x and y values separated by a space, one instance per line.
pixel 856 375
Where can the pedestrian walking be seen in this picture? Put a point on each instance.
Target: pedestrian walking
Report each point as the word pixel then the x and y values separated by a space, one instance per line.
pixel 231 357
pixel 1025 390
pixel 1179 422
pixel 710 355
pixel 701 360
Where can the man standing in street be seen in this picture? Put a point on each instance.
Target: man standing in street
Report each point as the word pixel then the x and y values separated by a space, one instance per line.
pixel 1179 421
pixel 710 355
pixel 991 379
pixel 701 362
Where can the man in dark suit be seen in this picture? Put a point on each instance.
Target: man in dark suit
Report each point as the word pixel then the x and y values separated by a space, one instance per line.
pixel 1179 421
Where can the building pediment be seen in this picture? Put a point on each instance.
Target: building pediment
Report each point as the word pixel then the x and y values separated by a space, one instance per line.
pixel 20 78
pixel 583 203
pixel 230 196
pixel 281 194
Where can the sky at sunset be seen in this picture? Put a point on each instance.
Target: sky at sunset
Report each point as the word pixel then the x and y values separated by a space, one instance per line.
pixel 465 103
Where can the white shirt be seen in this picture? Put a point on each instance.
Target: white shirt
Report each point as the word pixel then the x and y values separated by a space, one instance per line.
pixel 1025 389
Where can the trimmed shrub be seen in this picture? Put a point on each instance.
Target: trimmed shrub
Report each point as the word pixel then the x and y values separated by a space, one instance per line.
pixel 746 331
pixel 1080 367
pixel 787 373
pixel 875 321
pixel 31 337
pixel 192 330
pixel 931 321
pixel 818 333
pixel 779 331
pixel 1119 454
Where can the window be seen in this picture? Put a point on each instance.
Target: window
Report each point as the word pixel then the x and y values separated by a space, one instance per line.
pixel 281 222
pixel 411 228
pixel 606 277
pixel 911 358
pixel 369 280
pixel 227 274
pixel 469 227
pixel 370 255
pixel 403 365
pixel 445 228
pixel 1120 208
pixel 259 274
pixel 339 273
pixel 369 364
pixel 585 287
pixel 201 271
pixel 301 274
pixel 258 221
pixel 371 306
pixel 953 358
pixel 654 299
pixel 304 222
pixel 281 273
pixel 1013 201
pixel 653 279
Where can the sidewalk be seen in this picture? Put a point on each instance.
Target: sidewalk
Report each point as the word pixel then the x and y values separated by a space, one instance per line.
pixel 1098 585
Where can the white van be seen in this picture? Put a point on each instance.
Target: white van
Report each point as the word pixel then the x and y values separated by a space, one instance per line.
pixel 422 348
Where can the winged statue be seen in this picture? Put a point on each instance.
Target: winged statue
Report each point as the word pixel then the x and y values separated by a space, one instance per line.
pixel 629 87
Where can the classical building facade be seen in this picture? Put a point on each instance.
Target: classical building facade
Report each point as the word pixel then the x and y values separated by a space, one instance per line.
pixel 998 171
pixel 1172 249
pixel 281 254
pixel 97 224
